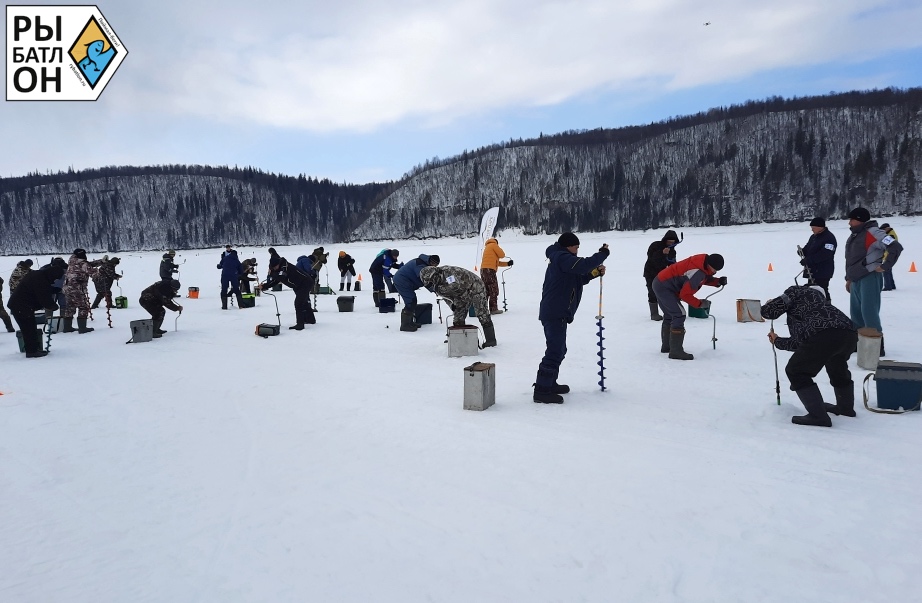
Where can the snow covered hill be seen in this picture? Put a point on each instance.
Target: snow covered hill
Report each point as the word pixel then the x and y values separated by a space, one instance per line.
pixel 337 463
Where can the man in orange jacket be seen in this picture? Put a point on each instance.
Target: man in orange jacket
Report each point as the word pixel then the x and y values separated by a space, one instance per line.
pixel 492 253
pixel 677 283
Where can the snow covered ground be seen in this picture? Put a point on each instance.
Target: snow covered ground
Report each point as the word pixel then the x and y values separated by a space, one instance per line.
pixel 337 464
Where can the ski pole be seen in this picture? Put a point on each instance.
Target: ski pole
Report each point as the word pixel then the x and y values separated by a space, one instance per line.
pixel 601 362
pixel 775 352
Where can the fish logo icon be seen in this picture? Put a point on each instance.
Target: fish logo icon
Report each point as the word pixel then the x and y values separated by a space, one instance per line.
pixel 93 52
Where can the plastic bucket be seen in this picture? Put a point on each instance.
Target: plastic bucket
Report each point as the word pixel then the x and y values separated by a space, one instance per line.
pixel 193 292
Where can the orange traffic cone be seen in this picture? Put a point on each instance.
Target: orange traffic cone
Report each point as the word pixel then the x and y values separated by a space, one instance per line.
pixel 358 283
pixel 770 269
pixel 912 267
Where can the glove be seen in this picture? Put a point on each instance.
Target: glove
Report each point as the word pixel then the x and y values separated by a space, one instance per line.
pixel 509 263
pixel 722 280
pixel 597 272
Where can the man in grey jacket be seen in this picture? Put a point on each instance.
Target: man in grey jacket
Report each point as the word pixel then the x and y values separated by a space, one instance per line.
pixel 864 268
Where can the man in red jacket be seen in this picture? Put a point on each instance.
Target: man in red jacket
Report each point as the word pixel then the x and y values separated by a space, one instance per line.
pixel 679 283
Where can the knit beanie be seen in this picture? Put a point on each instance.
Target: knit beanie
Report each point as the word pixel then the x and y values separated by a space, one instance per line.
pixel 568 239
pixel 715 261
pixel 818 222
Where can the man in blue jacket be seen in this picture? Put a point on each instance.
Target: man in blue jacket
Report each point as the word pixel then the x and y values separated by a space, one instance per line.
pixel 820 255
pixel 230 268
pixel 407 281
pixel 563 288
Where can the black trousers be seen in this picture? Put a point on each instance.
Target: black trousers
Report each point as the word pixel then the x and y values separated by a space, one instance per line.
pixel 31 338
pixel 829 349
pixel 303 311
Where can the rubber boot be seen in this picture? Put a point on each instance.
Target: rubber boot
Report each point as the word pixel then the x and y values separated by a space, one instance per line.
pixel 676 341
pixel 223 302
pixel 489 335
pixel 9 324
pixel 654 311
pixel 239 297
pixel 376 296
pixel 81 326
pixel 99 298
pixel 158 332
pixel 845 402
pixel 68 325
pixel 348 287
pixel 664 336
pixel 812 399
pixel 341 286
pixel 407 322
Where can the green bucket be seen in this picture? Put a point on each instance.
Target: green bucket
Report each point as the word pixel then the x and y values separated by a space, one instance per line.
pixel 703 312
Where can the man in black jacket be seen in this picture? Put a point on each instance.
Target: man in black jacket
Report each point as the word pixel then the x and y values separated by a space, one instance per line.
pixel 288 274
pixel 819 255
pixel 34 292
pixel 821 337
pixel 659 255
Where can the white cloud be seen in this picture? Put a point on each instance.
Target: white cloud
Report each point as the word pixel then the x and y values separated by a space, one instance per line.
pixel 366 65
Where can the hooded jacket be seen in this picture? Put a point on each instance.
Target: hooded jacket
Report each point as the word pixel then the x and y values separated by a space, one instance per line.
pixel 563 282
pixel 492 253
pixel 864 251
pixel 408 275
pixel 656 259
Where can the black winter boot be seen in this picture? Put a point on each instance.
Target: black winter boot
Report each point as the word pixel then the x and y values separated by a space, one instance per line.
pixel 341 285
pixel 545 396
pixel 223 302
pixel 68 325
pixel 348 287
pixel 812 399
pixel 376 296
pixel 407 322
pixel 239 297
pixel 297 327
pixel 676 341
pixel 489 336
pixel 664 336
pixel 845 402
pixel 81 326
pixel 158 332
pixel 654 311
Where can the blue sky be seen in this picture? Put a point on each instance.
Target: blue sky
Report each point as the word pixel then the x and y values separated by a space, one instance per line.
pixel 364 91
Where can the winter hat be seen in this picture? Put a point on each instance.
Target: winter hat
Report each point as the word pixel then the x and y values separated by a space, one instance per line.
pixel 171 252
pixel 860 214
pixel 568 239
pixel 28 263
pixel 80 253
pixel 175 285
pixel 394 253
pixel 818 222
pixel 114 261
pixel 884 226
pixel 715 261
pixel 434 260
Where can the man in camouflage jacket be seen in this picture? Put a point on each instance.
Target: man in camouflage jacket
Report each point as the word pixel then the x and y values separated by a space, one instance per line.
pixel 461 289
pixel 76 279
